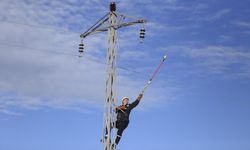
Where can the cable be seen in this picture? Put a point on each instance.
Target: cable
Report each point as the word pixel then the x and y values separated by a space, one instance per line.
pixel 43 26
pixel 36 49
pixel 67 54
pixel 38 26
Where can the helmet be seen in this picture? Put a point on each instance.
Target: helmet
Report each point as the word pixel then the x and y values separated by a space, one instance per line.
pixel 125 98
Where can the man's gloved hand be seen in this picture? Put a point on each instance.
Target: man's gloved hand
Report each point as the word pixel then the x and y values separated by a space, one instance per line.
pixel 140 96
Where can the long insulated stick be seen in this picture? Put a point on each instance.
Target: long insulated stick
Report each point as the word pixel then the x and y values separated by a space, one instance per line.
pixel 153 76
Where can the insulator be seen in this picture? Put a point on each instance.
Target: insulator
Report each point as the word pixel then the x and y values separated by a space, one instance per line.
pixel 81 45
pixel 142 37
pixel 143 30
pixel 80 50
pixel 142 33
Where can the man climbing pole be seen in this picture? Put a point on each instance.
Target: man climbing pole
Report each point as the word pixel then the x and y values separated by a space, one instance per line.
pixel 123 112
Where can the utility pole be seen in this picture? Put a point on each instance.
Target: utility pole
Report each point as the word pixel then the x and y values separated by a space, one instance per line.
pixel 110 22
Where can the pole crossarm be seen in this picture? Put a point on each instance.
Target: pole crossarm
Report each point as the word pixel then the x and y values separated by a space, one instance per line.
pixel 103 25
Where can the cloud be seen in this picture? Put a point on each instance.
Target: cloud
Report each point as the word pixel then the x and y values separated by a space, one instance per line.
pixel 134 55
pixel 40 68
pixel 7 112
pixel 219 14
pixel 200 15
pixel 164 27
pixel 243 24
pixel 246 32
pixel 215 60
pixel 149 7
pixel 51 13
pixel 39 63
pixel 226 38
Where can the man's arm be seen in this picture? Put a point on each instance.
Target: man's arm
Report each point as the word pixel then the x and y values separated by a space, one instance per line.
pixel 136 102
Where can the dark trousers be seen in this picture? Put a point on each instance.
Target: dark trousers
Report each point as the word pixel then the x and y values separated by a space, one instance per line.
pixel 121 126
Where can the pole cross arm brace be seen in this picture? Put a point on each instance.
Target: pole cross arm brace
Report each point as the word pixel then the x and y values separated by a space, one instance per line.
pixel 103 25
pixel 125 24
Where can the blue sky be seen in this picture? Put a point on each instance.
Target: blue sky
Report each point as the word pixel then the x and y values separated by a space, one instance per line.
pixel 50 99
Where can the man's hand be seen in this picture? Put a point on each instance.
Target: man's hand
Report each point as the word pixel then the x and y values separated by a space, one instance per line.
pixel 140 96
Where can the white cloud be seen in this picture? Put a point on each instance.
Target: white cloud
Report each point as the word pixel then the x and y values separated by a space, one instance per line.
pixel 201 15
pixel 226 38
pixel 218 15
pixel 242 24
pixel 164 27
pixel 51 13
pixel 134 55
pixel 38 67
pixel 214 59
pixel 149 6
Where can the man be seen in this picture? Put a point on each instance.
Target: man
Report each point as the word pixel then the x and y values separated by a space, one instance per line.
pixel 123 113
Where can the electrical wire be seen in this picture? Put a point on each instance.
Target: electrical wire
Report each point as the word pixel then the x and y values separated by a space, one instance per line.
pixel 63 52
pixel 39 26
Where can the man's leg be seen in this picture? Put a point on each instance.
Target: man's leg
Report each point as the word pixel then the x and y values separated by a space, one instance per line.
pixel 121 126
pixel 118 136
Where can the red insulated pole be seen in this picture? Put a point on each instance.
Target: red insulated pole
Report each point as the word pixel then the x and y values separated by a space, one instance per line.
pixel 154 74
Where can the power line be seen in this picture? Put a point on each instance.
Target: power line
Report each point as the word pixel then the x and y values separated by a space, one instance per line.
pixel 39 26
pixel 36 49
pixel 47 26
pixel 67 54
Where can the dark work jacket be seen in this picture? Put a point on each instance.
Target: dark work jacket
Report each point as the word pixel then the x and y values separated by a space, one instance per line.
pixel 124 116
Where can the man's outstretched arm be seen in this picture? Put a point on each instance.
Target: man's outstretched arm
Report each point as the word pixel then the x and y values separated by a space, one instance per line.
pixel 136 102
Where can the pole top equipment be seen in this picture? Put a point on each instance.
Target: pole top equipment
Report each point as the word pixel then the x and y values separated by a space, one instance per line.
pixel 112 6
